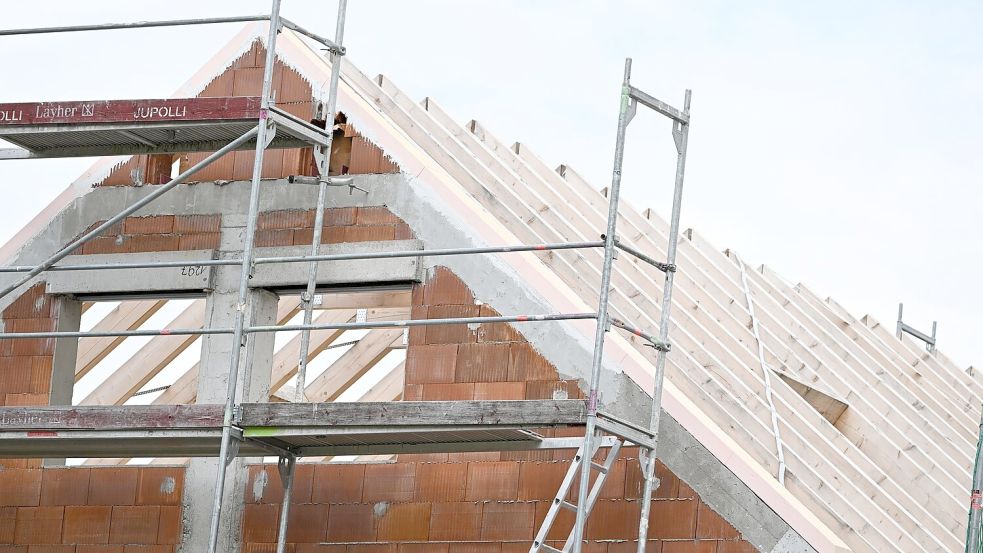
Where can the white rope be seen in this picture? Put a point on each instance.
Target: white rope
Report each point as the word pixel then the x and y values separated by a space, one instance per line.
pixel 767 373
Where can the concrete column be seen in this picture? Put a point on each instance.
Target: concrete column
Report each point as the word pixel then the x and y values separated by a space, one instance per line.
pixel 254 386
pixel 68 316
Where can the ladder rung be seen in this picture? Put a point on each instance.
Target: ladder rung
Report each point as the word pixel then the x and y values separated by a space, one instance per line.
pixel 568 506
pixel 550 548
pixel 599 467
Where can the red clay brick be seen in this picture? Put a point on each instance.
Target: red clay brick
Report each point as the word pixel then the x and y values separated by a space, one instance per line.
pixel 8 520
pixel 495 480
pixel 499 390
pixel 65 486
pixel 82 548
pixel 711 525
pixel 445 288
pixel 134 524
pixel 652 546
pixel 339 216
pixel 413 392
pixel 33 346
pixel 673 519
pixel 375 216
pixel 259 522
pixel 156 224
pixel 307 523
pixel 405 522
pixel 525 363
pixel 351 523
pixel 418 334
pixel 496 332
pixel 451 333
pixel 425 548
pixel 455 521
pixel 448 392
pixel 194 224
pixel 105 244
pixel 169 529
pixel 87 524
pixel 137 548
pixel 389 482
pixel 373 233
pixel 404 232
pixel 508 521
pixel 25 400
pixel 51 548
pixel 40 374
pixel 688 546
pixel 15 374
pixel 113 486
pixel 434 363
pixel 38 525
pixel 285 219
pixel 372 548
pixel 202 241
pixel 686 492
pixel 612 520
pixel 441 482
pixel 475 548
pixel 20 487
pixel 160 486
pixel 338 483
pixel 482 363
pixel 541 480
pixel 153 242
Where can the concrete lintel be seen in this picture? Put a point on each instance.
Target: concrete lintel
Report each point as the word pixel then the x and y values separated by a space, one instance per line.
pixel 114 281
pixel 332 273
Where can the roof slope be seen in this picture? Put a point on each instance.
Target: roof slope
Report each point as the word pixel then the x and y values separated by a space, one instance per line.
pixel 887 473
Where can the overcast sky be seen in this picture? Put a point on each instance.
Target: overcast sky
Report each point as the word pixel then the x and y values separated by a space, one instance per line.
pixel 837 142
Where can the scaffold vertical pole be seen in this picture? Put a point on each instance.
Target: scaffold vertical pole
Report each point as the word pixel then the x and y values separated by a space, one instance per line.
pixel 287 466
pixel 238 336
pixel 602 311
pixel 322 192
pixel 680 135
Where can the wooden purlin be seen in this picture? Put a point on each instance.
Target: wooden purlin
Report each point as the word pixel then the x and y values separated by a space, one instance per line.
pixel 798 406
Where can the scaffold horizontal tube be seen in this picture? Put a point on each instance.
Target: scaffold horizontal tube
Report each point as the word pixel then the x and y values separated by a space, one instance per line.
pixel 664 267
pixel 134 25
pixel 309 258
pixel 425 322
pixel 291 328
pixel 332 46
pixel 652 339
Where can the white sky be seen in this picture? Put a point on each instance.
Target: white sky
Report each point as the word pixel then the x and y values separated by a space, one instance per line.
pixel 837 142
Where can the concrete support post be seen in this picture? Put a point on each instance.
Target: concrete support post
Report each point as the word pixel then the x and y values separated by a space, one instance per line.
pixel 68 314
pixel 213 372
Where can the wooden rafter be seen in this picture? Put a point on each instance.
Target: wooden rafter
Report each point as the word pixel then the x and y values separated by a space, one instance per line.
pixel 128 315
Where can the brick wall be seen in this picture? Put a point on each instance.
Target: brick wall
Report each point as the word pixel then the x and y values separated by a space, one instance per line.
pixel 351 153
pixel 90 510
pixel 477 502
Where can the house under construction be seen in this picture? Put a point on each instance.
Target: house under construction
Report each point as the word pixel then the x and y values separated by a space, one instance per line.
pixel 274 317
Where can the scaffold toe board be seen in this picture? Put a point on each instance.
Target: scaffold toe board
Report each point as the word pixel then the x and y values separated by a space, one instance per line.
pixel 303 429
pixel 119 127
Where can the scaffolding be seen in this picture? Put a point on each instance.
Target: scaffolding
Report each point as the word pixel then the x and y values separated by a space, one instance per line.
pixel 293 430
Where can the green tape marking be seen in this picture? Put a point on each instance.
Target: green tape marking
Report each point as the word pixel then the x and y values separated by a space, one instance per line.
pixel 260 431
